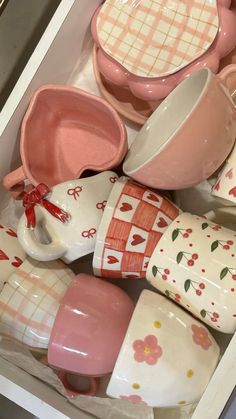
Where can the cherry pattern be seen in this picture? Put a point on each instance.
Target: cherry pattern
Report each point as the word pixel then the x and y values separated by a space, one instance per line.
pixel 225 244
pixel 184 232
pixel 163 272
pixel 215 227
pixel 212 315
pixel 173 295
pixel 227 270
pixel 190 259
pixel 197 286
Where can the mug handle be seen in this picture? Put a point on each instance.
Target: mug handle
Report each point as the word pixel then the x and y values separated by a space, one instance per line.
pixel 14 183
pixel 228 76
pixel 32 245
pixel 92 390
pixel 218 215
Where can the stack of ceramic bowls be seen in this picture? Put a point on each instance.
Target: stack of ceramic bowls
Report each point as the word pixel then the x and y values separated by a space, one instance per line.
pixel 84 193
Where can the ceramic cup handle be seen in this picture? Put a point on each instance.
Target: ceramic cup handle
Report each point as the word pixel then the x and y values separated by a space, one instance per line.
pixel 228 75
pixel 14 183
pixel 220 215
pixel 92 390
pixel 33 247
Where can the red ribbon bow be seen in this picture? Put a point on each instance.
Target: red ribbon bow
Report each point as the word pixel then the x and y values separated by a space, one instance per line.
pixel 37 197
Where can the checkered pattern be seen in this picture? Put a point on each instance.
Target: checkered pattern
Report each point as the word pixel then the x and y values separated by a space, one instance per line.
pixel 30 300
pixel 138 222
pixel 155 38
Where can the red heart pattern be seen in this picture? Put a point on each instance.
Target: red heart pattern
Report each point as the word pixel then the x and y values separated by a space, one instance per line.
pixel 229 174
pixel 233 192
pixel 112 259
pixel 18 261
pixel 3 255
pixel 162 223
pixel 12 233
pixel 126 207
pixel 137 239
pixel 153 197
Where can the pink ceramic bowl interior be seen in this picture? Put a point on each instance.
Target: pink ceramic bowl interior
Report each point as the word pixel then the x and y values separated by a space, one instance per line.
pixel 157 88
pixel 66 131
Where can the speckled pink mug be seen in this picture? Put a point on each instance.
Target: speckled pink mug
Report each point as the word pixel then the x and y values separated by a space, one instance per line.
pixel 89 328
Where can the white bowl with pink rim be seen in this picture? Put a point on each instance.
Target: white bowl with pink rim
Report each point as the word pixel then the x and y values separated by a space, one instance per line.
pixel 167 357
pixel 189 135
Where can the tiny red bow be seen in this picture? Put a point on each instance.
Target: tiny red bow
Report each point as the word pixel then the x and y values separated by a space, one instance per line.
pixel 37 197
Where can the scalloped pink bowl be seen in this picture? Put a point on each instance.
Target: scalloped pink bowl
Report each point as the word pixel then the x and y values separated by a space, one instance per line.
pixel 157 88
pixel 64 132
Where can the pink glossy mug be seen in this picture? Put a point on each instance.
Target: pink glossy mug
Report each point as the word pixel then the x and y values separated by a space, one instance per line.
pixel 89 328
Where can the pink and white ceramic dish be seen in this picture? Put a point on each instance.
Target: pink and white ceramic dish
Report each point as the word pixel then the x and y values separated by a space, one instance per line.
pixel 189 135
pixel 30 299
pixel 64 132
pixel 167 357
pixel 69 215
pixel 151 47
pixel 225 185
pixel 133 222
pixel 194 264
pixel 12 254
pixel 122 99
pixel 89 327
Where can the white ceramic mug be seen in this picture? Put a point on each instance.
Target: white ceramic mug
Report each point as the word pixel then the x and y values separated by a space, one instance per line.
pixel 167 357
pixel 81 203
pixel 11 253
pixel 30 299
pixel 194 263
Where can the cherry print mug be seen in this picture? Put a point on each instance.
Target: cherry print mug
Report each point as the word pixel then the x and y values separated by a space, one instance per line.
pixel 133 222
pixel 11 253
pixel 194 263
pixel 167 357
pixel 70 215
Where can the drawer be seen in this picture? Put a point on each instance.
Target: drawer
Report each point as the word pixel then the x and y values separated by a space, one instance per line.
pixel 57 59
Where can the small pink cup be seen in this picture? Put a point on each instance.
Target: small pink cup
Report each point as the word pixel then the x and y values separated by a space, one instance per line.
pixel 64 132
pixel 89 328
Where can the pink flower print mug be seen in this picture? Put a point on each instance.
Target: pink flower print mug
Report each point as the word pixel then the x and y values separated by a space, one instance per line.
pixel 163 346
pixel 194 264
pixel 69 215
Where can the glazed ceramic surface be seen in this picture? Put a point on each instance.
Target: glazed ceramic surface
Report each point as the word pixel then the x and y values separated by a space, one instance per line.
pixel 176 148
pixel 82 202
pixel 90 327
pixel 225 185
pixel 194 264
pixel 167 357
pixel 64 132
pixel 151 47
pixel 30 299
pixel 11 253
pixel 132 224
pixel 122 99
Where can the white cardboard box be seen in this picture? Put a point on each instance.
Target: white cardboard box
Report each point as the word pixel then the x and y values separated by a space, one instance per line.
pixel 55 61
